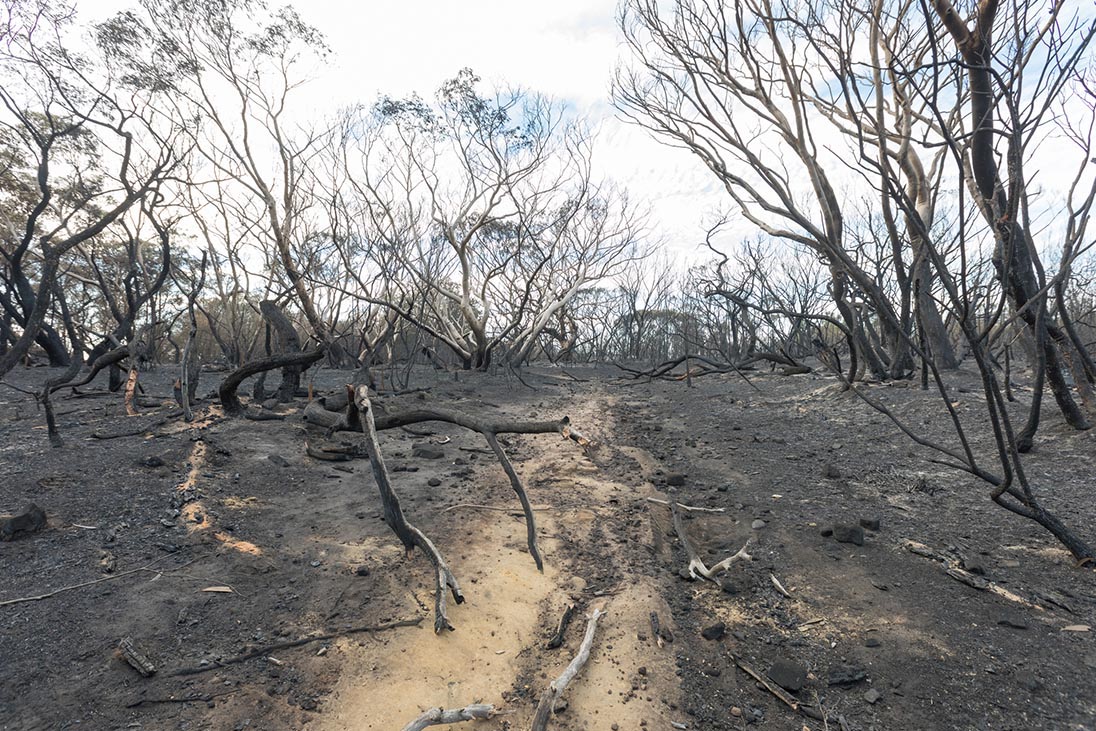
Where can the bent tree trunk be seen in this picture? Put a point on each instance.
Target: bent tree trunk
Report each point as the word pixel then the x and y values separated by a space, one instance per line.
pixel 230 400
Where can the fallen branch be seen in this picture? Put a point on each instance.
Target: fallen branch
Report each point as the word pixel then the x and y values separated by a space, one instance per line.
pixel 267 649
pixel 201 697
pixel 952 568
pixel 555 689
pixel 697 569
pixel 63 589
pixel 408 534
pixel 439 716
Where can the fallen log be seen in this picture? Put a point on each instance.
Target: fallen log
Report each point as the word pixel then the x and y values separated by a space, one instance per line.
pixel 267 649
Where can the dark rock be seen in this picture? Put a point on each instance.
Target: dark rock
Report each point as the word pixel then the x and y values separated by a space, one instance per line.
pixel 278 460
pixel 31 520
pixel 728 587
pixel 675 479
pixel 830 471
pixel 848 534
pixel 433 482
pixel 870 523
pixel 423 452
pixel 716 632
pixel 846 676
pixel 788 674
pixel 362 570
pixel 152 461
pixel 826 532
pixel 872 642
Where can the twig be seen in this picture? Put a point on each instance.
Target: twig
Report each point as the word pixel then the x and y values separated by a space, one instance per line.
pixel 552 694
pixel 476 506
pixel 776 690
pixel 687 508
pixel 55 592
pixel 779 586
pixel 266 649
pixel 696 567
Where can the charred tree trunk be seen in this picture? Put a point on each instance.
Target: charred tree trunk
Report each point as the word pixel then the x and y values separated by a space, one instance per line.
pixel 227 390
pixel 288 342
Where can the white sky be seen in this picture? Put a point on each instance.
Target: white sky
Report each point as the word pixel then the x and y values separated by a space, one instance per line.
pixel 566 49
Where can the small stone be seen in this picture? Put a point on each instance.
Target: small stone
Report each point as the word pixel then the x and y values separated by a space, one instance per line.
pixel 31 520
pixel 736 711
pixel 757 524
pixel 848 534
pixel 716 632
pixel 433 482
pixel 872 642
pixel 362 570
pixel 615 727
pixel 683 573
pixel 642 670
pixel 846 676
pixel 830 472
pixel 870 523
pixel 314 563
pixel 675 479
pixel 423 452
pixel 278 460
pixel 152 461
pixel 826 532
pixel 728 587
pixel 873 696
pixel 788 675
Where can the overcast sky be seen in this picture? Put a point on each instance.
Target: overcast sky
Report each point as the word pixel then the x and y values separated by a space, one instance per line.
pixel 565 49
